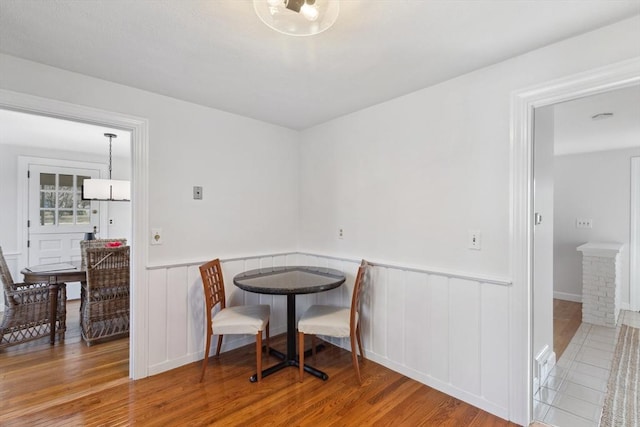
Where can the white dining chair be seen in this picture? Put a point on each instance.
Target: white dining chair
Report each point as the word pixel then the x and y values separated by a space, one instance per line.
pixel 242 319
pixel 335 321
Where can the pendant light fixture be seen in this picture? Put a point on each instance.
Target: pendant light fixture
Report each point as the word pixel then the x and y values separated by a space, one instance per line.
pixel 298 17
pixel 107 189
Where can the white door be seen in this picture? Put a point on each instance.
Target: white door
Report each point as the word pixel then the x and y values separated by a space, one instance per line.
pixel 58 217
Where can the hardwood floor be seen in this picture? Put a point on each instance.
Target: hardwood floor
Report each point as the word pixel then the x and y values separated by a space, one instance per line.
pixel 567 316
pixel 88 386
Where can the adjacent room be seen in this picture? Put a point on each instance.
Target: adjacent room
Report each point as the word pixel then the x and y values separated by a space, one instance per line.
pixel 337 212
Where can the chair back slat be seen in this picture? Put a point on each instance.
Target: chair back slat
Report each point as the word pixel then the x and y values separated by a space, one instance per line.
pixel 213 284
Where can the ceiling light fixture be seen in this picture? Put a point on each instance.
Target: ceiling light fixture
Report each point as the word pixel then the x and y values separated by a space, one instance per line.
pixel 298 17
pixel 106 189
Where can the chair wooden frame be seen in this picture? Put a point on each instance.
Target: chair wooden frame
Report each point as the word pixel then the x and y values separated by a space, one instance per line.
pixel 214 294
pixel 354 324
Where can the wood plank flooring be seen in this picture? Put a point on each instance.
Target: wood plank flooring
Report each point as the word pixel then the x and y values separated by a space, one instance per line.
pixel 567 316
pixel 76 385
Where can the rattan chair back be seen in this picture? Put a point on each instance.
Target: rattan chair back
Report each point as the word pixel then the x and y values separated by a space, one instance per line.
pixel 96 243
pixel 104 306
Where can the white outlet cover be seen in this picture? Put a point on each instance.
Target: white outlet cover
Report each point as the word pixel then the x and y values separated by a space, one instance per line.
pixel 156 236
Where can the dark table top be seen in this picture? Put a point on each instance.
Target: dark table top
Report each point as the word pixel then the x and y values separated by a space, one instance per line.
pixel 54 275
pixel 289 280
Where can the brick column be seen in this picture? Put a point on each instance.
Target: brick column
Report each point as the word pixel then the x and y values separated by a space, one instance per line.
pixel 600 283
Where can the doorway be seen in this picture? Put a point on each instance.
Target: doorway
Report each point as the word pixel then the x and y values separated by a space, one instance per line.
pixel 138 127
pixel 582 175
pixel 615 76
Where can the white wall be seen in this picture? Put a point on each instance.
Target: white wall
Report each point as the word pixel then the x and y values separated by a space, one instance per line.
pixel 406 180
pixel 248 169
pixel 593 186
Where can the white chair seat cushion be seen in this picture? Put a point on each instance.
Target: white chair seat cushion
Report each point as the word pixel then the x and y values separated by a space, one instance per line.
pixel 325 320
pixel 241 319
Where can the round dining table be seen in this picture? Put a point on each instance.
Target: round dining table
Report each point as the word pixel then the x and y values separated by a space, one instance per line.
pixel 289 281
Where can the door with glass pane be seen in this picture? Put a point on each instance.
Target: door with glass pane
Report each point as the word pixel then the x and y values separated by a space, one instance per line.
pixel 58 217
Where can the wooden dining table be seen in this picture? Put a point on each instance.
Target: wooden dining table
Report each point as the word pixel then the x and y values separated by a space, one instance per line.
pixel 55 276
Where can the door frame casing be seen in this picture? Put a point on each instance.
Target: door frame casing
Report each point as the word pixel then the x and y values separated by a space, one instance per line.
pixel 139 128
pixel 523 103
pixel 634 241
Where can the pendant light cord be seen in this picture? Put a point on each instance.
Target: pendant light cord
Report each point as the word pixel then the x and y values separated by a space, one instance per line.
pixel 110 136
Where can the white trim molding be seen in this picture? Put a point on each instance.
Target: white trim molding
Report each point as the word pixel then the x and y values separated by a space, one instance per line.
pixel 634 243
pixel 139 128
pixel 523 103
pixel 482 278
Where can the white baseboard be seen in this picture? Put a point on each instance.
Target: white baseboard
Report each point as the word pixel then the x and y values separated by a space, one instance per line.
pixel 567 297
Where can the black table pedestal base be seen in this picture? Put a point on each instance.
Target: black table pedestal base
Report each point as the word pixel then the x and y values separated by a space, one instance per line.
pixel 291 362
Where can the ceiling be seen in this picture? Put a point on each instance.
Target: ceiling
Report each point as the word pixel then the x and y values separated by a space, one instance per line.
pixel 219 54
pixel 23 129
pixel 575 131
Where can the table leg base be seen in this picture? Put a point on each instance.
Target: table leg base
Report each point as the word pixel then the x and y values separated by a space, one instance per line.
pixel 291 362
pixel 286 363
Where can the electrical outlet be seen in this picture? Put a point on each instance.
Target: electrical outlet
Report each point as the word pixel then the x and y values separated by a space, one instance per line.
pixel 110 221
pixel 197 192
pixel 156 236
pixel 475 240
pixel 340 233
pixel 584 223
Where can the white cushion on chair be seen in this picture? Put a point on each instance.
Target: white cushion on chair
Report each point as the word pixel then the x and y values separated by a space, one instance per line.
pixel 325 320
pixel 242 319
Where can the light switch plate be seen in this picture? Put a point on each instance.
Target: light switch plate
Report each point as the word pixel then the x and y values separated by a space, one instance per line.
pixel 475 240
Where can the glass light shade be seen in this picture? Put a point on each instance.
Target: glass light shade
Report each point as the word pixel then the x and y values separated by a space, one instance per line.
pixel 312 18
pixel 106 189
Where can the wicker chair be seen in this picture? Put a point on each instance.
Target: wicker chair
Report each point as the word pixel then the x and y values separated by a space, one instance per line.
pixel 96 243
pixel 26 315
pixel 104 306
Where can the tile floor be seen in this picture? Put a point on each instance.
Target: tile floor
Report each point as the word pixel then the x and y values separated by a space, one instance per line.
pixel 574 392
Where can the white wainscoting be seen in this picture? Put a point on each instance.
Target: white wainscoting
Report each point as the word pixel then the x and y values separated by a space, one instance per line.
pixel 446 330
